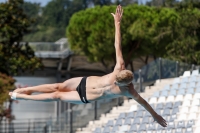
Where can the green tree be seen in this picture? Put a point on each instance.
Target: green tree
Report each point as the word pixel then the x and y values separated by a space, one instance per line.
pixel 151 29
pixel 101 2
pixel 183 36
pixel 6 85
pixel 127 2
pixel 156 3
pixel 58 12
pixel 32 10
pixel 92 32
pixel 186 44
pixel 51 20
pixel 171 34
pixel 14 57
pixel 54 18
pixel 54 13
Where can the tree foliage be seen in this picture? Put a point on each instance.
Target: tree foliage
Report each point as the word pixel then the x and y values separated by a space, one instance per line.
pixel 149 26
pixel 91 31
pixel 186 44
pixel 15 57
pixel 155 31
pixel 53 19
pixel 140 24
pixel 56 14
pixel 6 85
pixel 32 10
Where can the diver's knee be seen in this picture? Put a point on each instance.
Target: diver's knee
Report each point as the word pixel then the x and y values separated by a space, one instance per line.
pixel 56 95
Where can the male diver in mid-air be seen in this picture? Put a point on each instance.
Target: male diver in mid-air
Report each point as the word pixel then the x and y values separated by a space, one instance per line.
pixel 87 89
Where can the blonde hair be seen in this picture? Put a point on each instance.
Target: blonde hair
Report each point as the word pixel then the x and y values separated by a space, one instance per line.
pixel 125 76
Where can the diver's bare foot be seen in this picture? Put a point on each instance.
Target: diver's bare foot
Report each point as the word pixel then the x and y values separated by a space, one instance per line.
pixel 13 95
pixel 16 96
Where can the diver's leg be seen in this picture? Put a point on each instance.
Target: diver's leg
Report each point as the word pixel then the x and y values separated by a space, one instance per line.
pixel 36 97
pixel 45 88
pixel 68 85
pixel 71 96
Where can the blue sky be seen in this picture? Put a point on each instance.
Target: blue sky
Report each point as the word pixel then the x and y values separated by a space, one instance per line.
pixel 43 2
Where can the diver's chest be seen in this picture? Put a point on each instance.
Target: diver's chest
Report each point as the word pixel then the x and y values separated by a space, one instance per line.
pixel 114 90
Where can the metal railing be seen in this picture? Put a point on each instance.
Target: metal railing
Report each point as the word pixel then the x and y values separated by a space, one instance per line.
pixel 161 69
pixel 48 46
pixel 58 49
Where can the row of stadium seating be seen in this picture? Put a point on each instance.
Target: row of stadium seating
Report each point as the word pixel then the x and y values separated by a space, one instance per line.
pixel 177 100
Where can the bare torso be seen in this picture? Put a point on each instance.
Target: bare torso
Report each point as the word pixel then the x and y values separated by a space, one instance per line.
pixel 99 87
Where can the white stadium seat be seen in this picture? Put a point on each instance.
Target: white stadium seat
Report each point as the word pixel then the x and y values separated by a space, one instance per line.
pixel 170 99
pixel 153 100
pixel 194 109
pixel 186 103
pixel 192 116
pixel 186 73
pixel 188 97
pixel 195 72
pixel 178 101
pixel 195 102
pixel 178 98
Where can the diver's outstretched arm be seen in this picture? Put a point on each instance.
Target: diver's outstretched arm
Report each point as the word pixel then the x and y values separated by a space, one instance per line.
pixel 120 65
pixel 141 101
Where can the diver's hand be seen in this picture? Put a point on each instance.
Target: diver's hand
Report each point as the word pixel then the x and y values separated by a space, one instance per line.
pixel 159 119
pixel 118 14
